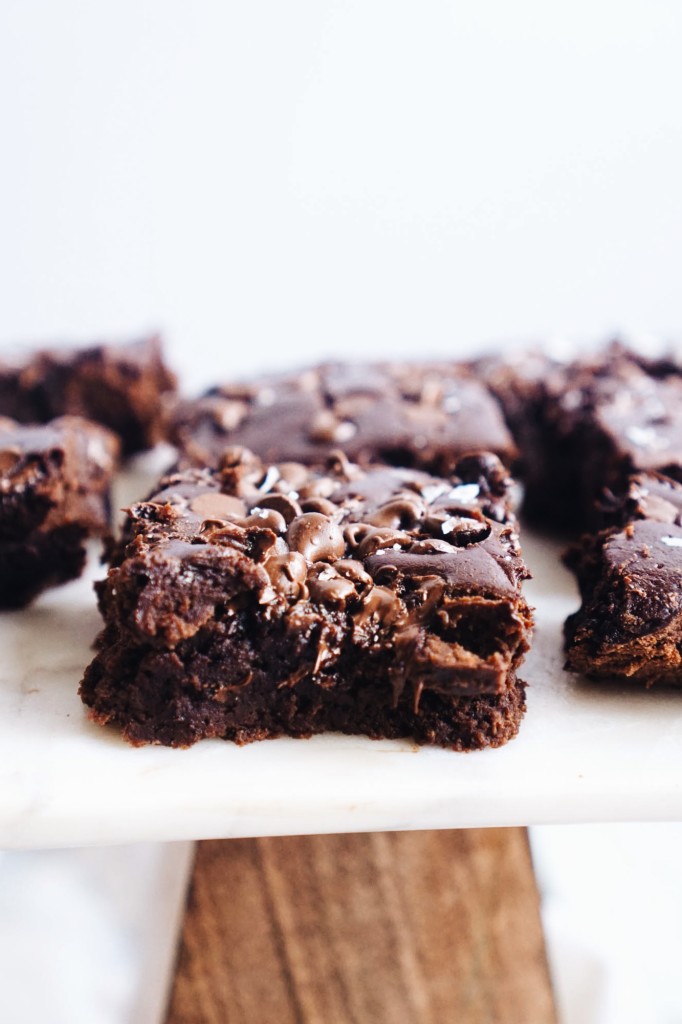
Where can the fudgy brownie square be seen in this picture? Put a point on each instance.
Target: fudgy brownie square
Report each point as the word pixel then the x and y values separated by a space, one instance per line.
pixel 123 387
pixel 587 425
pixel 256 600
pixel 424 416
pixel 54 493
pixel 629 624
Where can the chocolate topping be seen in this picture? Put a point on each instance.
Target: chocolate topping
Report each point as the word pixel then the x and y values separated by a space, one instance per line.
pixel 475 571
pixel 374 522
pixel 426 415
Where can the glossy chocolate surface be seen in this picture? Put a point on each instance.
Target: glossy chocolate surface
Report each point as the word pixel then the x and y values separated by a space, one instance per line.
pixel 421 415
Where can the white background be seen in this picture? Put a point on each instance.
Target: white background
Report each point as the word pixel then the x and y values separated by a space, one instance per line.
pixel 279 181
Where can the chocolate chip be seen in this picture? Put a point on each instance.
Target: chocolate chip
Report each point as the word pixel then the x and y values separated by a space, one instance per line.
pixel 265 519
pixel 330 588
pixel 292 476
pixel 288 574
pixel 432 545
pixel 382 537
pixel 287 507
pixel 380 604
pixel 355 533
pixel 322 505
pixel 316 537
pixel 402 513
pixel 354 570
pixel 213 505
pixel 457 529
pixel 482 466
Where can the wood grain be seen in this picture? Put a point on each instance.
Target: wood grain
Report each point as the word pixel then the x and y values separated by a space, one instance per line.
pixel 383 928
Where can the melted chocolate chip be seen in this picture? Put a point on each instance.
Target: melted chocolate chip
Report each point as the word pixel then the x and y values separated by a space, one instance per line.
pixel 316 537
pixel 401 513
pixel 288 574
pixel 213 505
pixel 287 507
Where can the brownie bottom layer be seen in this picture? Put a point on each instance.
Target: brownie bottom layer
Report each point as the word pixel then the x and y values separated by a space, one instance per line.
pixel 152 714
pixel 43 559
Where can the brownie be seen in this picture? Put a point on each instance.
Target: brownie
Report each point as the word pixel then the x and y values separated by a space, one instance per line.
pixel 629 624
pixel 587 425
pixel 662 362
pixel 123 387
pixel 54 493
pixel 256 600
pixel 423 416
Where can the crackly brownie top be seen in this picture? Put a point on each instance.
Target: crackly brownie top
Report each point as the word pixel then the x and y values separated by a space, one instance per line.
pixel 55 472
pixel 388 546
pixel 423 415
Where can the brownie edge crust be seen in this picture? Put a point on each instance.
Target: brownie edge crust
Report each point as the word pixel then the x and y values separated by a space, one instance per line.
pixel 254 601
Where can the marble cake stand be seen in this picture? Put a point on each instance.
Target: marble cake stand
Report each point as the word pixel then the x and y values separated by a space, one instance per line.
pixel 584 752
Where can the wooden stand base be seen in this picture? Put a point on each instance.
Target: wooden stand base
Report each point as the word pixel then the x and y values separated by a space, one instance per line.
pixel 383 928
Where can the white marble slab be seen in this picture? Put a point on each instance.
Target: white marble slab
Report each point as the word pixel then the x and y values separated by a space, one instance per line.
pixel 584 753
